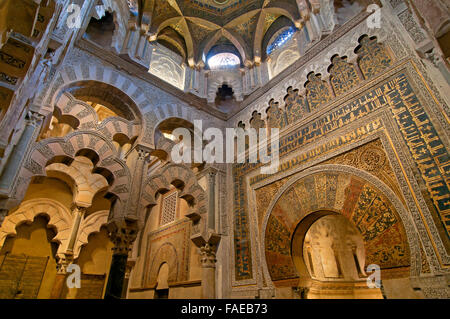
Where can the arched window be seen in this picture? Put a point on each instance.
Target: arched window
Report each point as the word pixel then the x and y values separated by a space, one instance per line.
pixel 224 60
pixel 280 40
pixel 132 4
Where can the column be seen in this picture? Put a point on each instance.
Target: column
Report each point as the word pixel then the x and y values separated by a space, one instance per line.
pixel 129 37
pixel 124 231
pixel 78 212
pixel 434 57
pixel 197 78
pixel 129 268
pixel 60 279
pixel 122 234
pixel 208 261
pixel 136 184
pixel 258 74
pixel 12 167
pixel 65 260
pixel 211 176
pixel 140 44
pixel 303 292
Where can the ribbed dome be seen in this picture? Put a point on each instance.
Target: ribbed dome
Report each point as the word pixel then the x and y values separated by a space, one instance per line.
pixel 193 27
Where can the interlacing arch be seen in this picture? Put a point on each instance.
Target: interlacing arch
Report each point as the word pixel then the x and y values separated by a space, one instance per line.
pixel 181 177
pixel 163 149
pixel 68 106
pixel 88 80
pixel 60 219
pixel 59 216
pixel 89 225
pixel 90 144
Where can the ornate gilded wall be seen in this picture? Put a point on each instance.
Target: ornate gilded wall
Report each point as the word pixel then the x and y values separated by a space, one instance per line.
pixel 372 117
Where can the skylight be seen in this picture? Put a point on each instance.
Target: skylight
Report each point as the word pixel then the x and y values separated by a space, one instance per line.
pixel 223 61
pixel 280 40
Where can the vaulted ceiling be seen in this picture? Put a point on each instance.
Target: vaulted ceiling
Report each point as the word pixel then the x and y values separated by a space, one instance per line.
pixel 193 27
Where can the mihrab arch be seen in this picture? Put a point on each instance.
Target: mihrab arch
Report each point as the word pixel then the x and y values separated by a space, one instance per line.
pixel 389 237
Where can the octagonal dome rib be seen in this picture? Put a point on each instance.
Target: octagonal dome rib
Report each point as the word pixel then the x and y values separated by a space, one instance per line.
pixel 203 22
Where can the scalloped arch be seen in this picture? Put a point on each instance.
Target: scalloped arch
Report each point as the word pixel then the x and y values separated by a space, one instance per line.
pixel 60 219
pixel 68 147
pixel 90 225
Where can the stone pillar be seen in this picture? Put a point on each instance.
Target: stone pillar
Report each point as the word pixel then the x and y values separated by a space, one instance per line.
pixel 304 285
pixel 251 77
pixel 129 268
pixel 438 61
pixel 78 213
pixel 128 40
pixel 313 33
pixel 197 79
pixel 122 234
pixel 303 292
pixel 60 279
pixel 12 167
pixel 140 44
pixel 208 261
pixel 124 231
pixel 211 175
pixel 136 184
pixel 65 260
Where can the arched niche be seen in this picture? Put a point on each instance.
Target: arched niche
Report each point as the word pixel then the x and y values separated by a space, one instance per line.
pixel 276 28
pixel 164 138
pixel 372 208
pixel 108 96
pixel 163 277
pixel 332 247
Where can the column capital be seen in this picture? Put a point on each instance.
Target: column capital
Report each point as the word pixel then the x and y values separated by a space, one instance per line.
pixel 434 57
pixel 123 233
pixel 33 118
pixel 63 262
pixel 208 256
pixel 143 152
pixel 209 172
pixel 78 209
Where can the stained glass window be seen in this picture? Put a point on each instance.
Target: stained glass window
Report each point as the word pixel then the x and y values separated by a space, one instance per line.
pixel 223 61
pixel 280 40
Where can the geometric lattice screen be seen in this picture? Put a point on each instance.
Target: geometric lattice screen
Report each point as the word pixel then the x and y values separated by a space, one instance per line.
pixel 169 208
